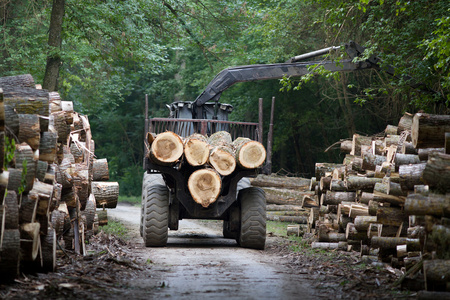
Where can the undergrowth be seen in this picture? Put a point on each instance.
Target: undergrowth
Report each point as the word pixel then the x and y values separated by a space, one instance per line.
pixel 115 228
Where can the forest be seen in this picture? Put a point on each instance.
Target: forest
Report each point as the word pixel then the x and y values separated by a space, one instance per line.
pixel 105 55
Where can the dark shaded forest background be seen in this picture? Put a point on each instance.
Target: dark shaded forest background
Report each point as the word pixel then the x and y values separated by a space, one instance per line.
pixel 112 53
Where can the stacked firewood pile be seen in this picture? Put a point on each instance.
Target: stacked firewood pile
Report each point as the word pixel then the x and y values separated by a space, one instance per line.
pixel 390 199
pixel 288 198
pixel 205 161
pixel 50 183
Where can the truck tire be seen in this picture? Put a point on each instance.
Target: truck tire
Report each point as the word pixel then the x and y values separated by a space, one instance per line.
pixel 156 216
pixel 229 229
pixel 146 180
pixel 253 218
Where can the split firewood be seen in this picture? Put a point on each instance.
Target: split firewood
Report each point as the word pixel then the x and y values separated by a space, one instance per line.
pixel 205 186
pixel 30 241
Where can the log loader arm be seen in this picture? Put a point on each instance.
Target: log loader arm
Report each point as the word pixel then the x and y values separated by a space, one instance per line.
pixel 292 68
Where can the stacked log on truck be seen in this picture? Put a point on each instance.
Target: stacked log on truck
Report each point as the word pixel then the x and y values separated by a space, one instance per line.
pixel 210 158
pixel 390 200
pixel 49 178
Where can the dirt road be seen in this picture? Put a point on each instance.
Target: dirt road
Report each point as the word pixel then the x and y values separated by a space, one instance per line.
pixel 199 263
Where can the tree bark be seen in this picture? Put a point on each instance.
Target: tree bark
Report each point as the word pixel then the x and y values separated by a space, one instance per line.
pixel 54 41
pixel 411 175
pixel 280 182
pixel 437 172
pixel 25 80
pixel 428 131
pixel 437 274
pixel 10 254
pixel 285 196
pixel 106 193
pixel 434 204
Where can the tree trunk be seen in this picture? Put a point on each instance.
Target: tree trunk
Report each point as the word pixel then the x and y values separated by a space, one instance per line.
pixel 249 154
pixel 370 161
pixel 54 41
pixel 434 204
pixel 285 196
pixel 11 207
pixel 48 244
pixel 205 186
pixel 166 149
pixel 222 160
pixel 280 182
pixel 437 274
pixel 28 208
pixel 358 141
pixel 411 175
pixel 335 198
pixel 274 207
pixel 437 172
pixel 25 80
pixel 322 168
pixel 106 193
pixel 290 219
pixel 393 242
pixel 428 131
pixel 29 130
pixel 196 150
pixel 362 223
pixel 391 216
pixel 361 183
pixel 405 122
pixel 61 126
pixel 10 254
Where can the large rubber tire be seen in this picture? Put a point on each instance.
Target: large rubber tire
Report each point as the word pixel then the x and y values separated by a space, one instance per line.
pixel 233 212
pixel 156 212
pixel 146 181
pixel 253 218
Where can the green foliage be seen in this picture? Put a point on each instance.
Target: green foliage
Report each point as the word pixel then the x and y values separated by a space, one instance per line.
pixel 23 181
pixel 10 150
pixel 115 52
pixel 114 228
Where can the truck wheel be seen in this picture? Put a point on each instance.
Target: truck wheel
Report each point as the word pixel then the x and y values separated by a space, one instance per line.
pixel 156 216
pixel 231 226
pixel 253 218
pixel 146 180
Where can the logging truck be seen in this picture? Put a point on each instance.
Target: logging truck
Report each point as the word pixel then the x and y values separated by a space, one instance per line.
pixel 197 162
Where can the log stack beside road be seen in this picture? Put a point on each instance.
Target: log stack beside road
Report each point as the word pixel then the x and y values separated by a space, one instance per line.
pixel 49 178
pixel 390 200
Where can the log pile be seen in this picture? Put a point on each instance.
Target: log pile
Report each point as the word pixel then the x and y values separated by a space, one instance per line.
pixel 288 198
pixel 390 200
pixel 49 179
pixel 207 161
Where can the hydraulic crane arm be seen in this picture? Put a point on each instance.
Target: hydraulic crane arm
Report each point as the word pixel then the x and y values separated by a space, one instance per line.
pixel 292 68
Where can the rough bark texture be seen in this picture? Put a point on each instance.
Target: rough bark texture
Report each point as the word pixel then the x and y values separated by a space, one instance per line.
pixel 25 80
pixel 437 172
pixel 106 193
pixel 54 41
pixel 428 131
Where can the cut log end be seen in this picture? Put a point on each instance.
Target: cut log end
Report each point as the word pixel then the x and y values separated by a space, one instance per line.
pixel 167 147
pixel 222 160
pixel 205 186
pixel 196 152
pixel 251 155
